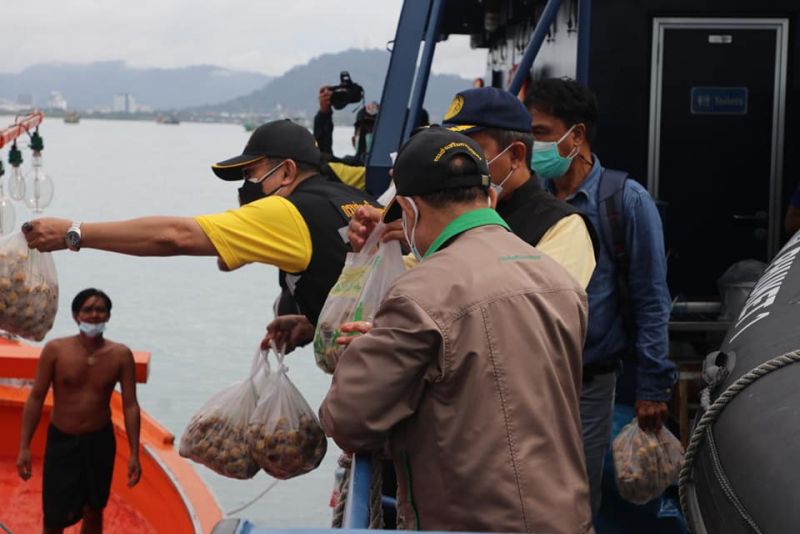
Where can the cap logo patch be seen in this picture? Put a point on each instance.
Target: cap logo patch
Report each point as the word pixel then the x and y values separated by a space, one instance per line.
pixel 455 107
pixel 460 127
pixel 451 146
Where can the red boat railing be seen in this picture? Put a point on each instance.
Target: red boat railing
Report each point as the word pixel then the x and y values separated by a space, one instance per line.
pixel 21 125
pixel 19 360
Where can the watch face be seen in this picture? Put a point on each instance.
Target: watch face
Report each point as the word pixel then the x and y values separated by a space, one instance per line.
pixel 73 239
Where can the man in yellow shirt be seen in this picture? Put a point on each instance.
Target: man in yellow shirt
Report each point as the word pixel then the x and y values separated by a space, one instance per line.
pixel 295 227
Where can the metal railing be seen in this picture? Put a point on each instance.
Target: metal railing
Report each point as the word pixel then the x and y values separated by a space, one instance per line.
pixel 21 125
pixel 356 511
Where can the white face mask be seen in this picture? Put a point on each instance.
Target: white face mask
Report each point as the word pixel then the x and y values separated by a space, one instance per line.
pixel 498 188
pixel 404 222
pixel 92 329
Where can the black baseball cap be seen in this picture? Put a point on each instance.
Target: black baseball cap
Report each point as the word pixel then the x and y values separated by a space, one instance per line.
pixel 423 165
pixel 487 107
pixel 276 139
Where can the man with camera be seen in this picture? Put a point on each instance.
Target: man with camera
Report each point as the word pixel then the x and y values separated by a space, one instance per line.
pixel 348 169
pixel 337 97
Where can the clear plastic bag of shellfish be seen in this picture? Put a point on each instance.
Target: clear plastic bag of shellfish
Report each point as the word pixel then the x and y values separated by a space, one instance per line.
pixel 285 436
pixel 217 434
pixel 28 289
pixel 363 283
pixel 645 463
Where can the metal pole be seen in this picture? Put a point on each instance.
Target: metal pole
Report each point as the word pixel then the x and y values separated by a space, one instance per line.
pixel 537 38
pixel 356 510
pixel 389 127
pixel 424 69
pixel 584 41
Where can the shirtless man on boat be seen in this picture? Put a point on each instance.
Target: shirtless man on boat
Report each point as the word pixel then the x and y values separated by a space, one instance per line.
pixel 81 447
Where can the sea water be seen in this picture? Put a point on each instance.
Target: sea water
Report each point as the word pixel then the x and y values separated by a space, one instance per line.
pixel 201 325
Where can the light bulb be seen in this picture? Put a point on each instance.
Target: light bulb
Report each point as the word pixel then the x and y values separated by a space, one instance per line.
pixel 38 186
pixel 16 184
pixel 8 215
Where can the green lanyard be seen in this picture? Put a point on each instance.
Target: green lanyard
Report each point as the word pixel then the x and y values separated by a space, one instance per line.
pixel 467 221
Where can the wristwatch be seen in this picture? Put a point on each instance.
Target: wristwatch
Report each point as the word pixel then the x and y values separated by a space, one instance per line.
pixel 73 237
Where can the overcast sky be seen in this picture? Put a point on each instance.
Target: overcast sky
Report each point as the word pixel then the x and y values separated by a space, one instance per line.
pixel 267 36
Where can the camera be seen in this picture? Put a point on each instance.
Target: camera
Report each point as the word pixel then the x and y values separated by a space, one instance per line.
pixel 347 92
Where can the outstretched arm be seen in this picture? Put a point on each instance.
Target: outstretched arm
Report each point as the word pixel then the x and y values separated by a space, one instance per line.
pixel 132 416
pixel 33 409
pixel 146 236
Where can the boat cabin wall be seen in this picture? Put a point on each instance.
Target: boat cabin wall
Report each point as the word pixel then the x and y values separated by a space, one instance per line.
pixel 504 29
pixel 620 70
pixel 557 56
pixel 698 104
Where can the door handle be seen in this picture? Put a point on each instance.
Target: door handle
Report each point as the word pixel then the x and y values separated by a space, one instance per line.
pixel 759 216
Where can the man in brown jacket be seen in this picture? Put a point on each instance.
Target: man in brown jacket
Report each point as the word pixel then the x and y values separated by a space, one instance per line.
pixel 472 368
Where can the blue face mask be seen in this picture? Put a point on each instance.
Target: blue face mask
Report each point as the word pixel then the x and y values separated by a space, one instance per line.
pixel 547 162
pixel 92 329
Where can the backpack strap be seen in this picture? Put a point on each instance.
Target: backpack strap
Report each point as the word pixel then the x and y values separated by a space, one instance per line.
pixel 612 233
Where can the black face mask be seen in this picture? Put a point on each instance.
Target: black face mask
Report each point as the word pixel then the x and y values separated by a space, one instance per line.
pixel 250 192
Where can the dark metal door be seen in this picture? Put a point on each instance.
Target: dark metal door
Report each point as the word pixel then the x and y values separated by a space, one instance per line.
pixel 714 161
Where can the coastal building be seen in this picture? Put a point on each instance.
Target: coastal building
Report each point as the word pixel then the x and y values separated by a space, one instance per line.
pixel 124 103
pixel 56 101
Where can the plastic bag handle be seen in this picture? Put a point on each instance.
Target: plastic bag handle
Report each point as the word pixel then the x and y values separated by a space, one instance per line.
pixel 255 369
pixel 374 239
pixel 279 355
pixel 264 354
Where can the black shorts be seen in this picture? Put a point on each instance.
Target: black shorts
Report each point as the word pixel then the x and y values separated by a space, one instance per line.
pixel 77 473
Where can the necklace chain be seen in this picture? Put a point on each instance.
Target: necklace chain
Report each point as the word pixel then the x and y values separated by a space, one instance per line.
pixel 90 359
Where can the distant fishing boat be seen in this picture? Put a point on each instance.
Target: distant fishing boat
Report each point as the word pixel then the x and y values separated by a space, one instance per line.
pixel 72 117
pixel 168 119
pixel 170 497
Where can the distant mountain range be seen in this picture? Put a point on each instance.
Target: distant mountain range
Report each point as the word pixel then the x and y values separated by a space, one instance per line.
pixel 93 85
pixel 296 91
pixel 206 88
